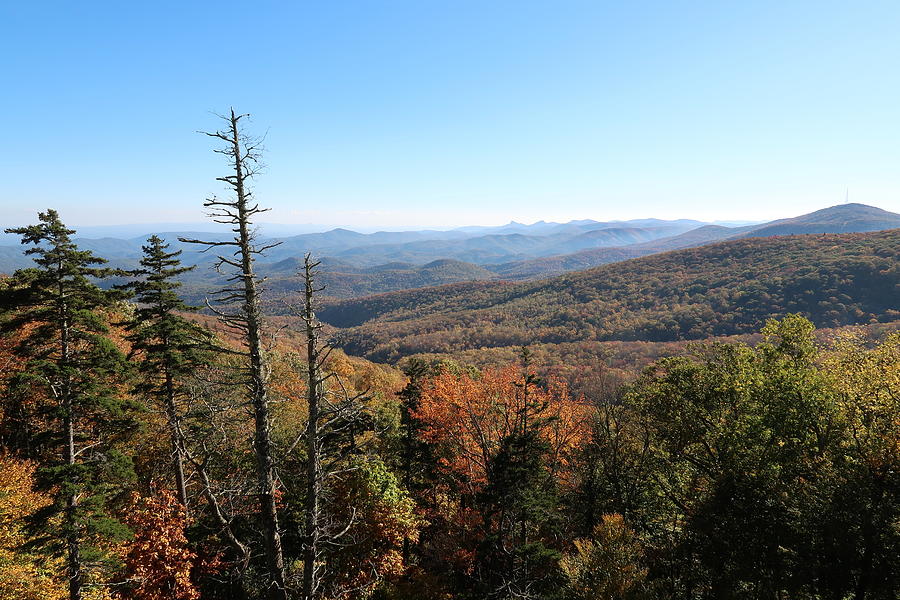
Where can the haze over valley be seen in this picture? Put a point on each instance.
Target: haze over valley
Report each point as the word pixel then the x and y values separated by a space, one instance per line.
pixel 356 264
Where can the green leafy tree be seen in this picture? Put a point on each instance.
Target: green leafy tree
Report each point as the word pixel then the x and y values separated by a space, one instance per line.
pixel 75 366
pixel 860 518
pixel 740 440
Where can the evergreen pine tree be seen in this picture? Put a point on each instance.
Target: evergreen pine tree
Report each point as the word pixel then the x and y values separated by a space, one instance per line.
pixel 521 504
pixel 168 346
pixel 72 365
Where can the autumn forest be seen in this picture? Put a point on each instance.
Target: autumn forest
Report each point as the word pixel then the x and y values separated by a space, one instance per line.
pixel 706 423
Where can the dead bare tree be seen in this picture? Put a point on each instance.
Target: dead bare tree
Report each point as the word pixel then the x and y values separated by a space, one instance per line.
pixel 242 288
pixel 334 417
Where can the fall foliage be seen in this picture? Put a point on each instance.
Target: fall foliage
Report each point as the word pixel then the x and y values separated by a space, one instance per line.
pixel 24 575
pixel 468 414
pixel 763 465
pixel 607 566
pixel 158 560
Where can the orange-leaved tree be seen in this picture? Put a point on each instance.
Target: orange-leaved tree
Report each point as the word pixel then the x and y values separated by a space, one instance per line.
pixel 504 442
pixel 383 516
pixel 23 574
pixel 158 561
pixel 468 415
pixel 607 566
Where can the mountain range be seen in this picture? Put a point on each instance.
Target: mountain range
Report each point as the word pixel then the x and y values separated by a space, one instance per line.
pixel 843 218
pixel 359 264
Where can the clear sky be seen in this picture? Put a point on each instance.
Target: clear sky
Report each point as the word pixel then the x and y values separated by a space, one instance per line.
pixel 452 112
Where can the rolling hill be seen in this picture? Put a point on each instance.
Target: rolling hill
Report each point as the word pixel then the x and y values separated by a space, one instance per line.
pixel 351 282
pixel 340 279
pixel 722 289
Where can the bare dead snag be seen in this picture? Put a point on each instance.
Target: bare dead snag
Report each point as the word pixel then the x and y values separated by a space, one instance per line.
pixel 331 412
pixel 243 153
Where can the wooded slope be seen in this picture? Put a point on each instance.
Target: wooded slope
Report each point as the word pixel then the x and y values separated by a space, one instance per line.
pixel 722 289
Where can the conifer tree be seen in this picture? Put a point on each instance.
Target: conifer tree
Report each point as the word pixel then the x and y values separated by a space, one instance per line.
pixel 520 504
pixel 520 500
pixel 169 346
pixel 415 460
pixel 74 364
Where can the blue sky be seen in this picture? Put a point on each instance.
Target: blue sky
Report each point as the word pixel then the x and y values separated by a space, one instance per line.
pixel 448 113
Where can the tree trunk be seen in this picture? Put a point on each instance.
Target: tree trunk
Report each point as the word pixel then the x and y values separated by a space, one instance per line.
pixel 262 443
pixel 238 213
pixel 311 532
pixel 177 442
pixel 73 544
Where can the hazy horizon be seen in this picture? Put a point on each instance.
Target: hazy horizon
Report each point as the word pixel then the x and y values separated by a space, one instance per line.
pixel 137 229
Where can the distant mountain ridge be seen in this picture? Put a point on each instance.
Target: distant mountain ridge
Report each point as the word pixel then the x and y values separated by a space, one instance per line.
pixel 843 218
pixel 488 245
pixel 358 264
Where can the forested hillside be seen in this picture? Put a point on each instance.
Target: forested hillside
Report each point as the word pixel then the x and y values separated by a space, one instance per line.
pixel 723 289
pixel 453 481
pixel 744 468
pixel 150 454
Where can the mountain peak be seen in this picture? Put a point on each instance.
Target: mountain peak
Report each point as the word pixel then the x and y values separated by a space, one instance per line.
pixel 840 218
